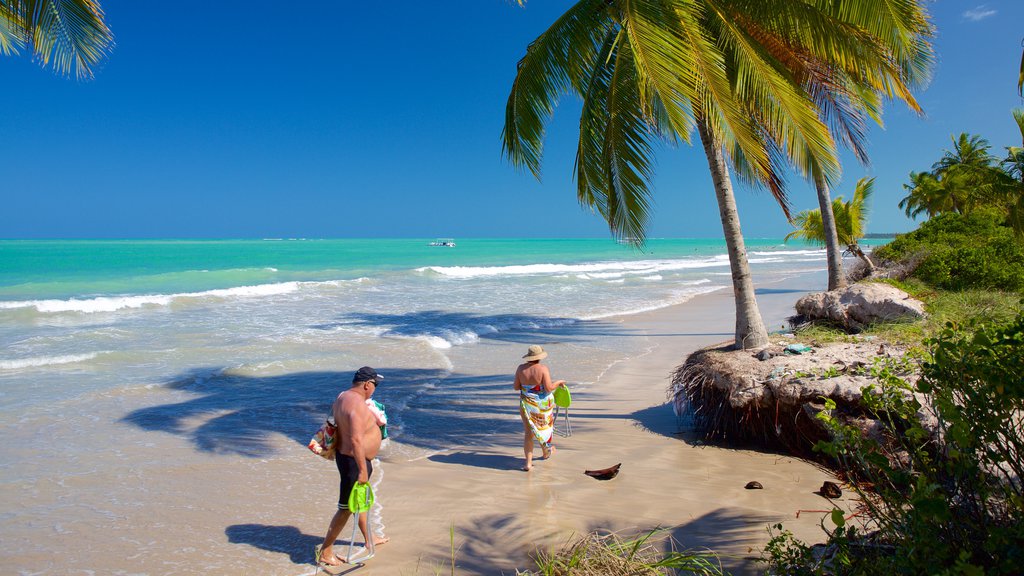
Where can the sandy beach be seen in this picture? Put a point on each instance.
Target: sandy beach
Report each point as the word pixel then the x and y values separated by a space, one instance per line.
pixel 181 414
pixel 500 514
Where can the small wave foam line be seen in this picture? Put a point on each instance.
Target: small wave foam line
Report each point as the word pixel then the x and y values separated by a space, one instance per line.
pixel 114 303
pixel 445 337
pixel 23 363
pixel 679 298
pixel 593 269
pixel 815 251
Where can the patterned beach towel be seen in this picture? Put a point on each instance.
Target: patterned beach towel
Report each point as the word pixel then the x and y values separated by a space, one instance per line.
pixel 539 408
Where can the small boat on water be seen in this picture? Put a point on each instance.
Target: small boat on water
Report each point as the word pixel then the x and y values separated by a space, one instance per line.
pixel 446 242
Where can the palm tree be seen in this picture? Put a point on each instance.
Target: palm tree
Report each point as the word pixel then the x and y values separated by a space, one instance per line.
pixel 927 195
pixel 649 70
pixel 70 34
pixel 850 218
pixel 964 178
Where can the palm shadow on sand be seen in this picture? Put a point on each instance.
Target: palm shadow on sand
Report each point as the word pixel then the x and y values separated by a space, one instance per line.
pixel 500 327
pixel 231 413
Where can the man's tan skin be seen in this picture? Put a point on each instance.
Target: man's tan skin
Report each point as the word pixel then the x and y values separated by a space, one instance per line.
pixel 528 375
pixel 359 437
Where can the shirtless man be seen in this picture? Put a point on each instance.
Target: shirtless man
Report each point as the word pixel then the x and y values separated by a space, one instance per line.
pixel 359 440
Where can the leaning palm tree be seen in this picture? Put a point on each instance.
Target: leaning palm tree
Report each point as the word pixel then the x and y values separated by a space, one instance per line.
pixel 69 34
pixel 850 218
pixel 650 70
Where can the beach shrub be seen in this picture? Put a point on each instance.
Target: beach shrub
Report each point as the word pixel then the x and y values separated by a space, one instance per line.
pixel 939 485
pixel 957 252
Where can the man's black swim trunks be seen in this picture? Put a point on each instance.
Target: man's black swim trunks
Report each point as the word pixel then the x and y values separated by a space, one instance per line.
pixel 349 470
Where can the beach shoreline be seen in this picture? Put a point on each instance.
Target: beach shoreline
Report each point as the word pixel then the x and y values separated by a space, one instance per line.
pixel 500 515
pixel 206 470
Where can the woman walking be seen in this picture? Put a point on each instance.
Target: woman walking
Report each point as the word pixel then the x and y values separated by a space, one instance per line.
pixel 536 403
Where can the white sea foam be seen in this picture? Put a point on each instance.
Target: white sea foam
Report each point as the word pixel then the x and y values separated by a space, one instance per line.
pixel 818 251
pixel 22 363
pixel 600 270
pixel 114 303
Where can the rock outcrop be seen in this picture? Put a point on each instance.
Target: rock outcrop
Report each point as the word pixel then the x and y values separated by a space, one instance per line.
pixel 860 305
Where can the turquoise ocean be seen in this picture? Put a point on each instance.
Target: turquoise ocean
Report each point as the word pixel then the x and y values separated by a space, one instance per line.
pixel 135 372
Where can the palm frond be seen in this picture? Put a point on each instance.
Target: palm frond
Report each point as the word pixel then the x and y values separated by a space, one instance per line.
pixel 69 34
pixel 627 153
pixel 13 28
pixel 555 63
pixel 591 178
pixel 786 112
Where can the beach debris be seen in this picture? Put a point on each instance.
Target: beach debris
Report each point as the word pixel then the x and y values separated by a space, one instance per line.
pixel 797 349
pixel 604 473
pixel 766 354
pixel 830 490
pixel 754 485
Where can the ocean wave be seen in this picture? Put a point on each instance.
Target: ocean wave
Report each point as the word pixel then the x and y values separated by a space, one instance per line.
pixel 114 303
pixel 445 337
pixel 22 363
pixel 599 270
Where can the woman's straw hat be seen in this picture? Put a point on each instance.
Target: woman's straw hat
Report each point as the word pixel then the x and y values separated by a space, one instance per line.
pixel 535 353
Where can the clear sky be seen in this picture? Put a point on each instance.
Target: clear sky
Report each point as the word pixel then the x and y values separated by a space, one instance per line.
pixel 253 119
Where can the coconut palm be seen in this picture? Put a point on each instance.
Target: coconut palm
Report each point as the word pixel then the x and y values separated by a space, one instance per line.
pixel 650 70
pixel 69 34
pixel 926 195
pixel 964 178
pixel 850 218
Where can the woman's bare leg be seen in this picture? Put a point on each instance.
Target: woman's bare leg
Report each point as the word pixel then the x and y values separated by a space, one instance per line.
pixel 527 444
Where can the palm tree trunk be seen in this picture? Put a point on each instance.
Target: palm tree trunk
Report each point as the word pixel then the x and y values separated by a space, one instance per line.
pixel 750 330
pixel 836 278
pixel 864 257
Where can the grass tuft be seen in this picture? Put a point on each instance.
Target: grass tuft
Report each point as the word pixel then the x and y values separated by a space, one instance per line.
pixel 597 554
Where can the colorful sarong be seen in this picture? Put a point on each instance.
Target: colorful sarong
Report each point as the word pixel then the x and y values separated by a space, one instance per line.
pixel 538 407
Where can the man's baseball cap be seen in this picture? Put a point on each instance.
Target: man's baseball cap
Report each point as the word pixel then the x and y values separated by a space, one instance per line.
pixel 366 373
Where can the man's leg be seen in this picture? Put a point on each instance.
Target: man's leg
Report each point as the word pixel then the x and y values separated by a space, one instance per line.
pixel 337 523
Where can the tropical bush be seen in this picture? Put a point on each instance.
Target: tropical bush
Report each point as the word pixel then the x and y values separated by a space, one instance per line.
pixel 958 252
pixel 940 485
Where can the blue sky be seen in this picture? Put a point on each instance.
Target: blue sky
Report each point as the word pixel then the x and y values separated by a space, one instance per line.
pixel 250 119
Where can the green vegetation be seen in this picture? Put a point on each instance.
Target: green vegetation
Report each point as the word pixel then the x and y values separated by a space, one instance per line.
pixel 940 495
pixel 939 480
pixel 959 252
pixel 969 178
